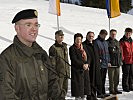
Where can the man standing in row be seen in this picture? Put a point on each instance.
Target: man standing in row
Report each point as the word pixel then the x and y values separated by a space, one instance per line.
pixel 94 69
pixel 126 44
pixel 104 57
pixel 58 54
pixel 116 62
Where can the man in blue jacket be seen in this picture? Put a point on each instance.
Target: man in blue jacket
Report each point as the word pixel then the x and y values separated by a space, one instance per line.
pixel 104 57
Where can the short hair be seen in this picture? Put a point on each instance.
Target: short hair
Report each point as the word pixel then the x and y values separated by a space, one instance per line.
pixel 128 30
pixel 103 31
pixel 89 32
pixel 113 30
pixel 78 35
pixel 59 32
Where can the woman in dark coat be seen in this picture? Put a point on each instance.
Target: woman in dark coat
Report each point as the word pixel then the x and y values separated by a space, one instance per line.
pixel 80 82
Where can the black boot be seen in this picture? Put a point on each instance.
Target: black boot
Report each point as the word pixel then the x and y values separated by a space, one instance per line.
pixel 118 92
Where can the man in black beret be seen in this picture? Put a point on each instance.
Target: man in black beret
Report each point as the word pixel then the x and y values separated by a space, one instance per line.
pixel 25 14
pixel 25 69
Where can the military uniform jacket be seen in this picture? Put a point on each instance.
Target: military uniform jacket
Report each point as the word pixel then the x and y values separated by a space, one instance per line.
pixel 58 54
pixel 25 74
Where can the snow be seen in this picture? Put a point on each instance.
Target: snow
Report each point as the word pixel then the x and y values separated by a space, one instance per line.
pixel 73 19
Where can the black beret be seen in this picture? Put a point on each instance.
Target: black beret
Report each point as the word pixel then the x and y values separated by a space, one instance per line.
pixel 25 14
pixel 59 32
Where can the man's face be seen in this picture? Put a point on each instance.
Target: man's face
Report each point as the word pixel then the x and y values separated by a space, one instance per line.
pixel 27 30
pixel 128 34
pixel 59 38
pixel 103 36
pixel 113 34
pixel 90 37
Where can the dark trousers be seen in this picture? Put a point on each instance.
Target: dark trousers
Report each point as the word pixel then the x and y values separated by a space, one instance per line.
pixel 103 77
pixel 113 74
pixel 127 76
pixel 93 94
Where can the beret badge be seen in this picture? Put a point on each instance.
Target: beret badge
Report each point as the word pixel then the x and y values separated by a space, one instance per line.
pixel 35 12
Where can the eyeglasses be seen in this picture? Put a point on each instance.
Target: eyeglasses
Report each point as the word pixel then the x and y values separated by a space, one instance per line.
pixel 29 25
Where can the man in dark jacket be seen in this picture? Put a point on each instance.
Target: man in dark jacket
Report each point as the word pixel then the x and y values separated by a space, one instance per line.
pixel 104 57
pixel 126 44
pixel 94 69
pixel 25 70
pixel 116 61
pixel 58 54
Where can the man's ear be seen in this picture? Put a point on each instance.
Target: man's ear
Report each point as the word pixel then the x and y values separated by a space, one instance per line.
pixel 55 36
pixel 16 27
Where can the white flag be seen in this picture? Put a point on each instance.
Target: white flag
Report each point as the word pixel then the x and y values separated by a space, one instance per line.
pixel 54 7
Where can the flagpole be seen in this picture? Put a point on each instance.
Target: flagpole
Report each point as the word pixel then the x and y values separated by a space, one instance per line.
pixel 109 25
pixel 57 22
pixel 109 15
pixel 54 8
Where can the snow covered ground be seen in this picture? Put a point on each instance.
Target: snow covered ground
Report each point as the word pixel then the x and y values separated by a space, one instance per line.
pixel 73 19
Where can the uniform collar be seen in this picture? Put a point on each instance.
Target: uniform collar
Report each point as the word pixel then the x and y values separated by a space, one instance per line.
pixel 59 45
pixel 29 51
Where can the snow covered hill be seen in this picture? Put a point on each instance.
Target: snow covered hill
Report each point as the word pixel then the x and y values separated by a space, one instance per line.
pixel 73 19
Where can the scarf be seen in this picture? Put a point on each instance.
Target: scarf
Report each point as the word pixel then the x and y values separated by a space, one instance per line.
pixel 80 47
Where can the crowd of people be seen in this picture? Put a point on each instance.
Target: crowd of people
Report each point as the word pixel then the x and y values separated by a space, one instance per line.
pixel 28 73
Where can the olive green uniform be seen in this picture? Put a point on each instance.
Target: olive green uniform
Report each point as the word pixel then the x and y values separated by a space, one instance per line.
pixel 58 54
pixel 26 74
